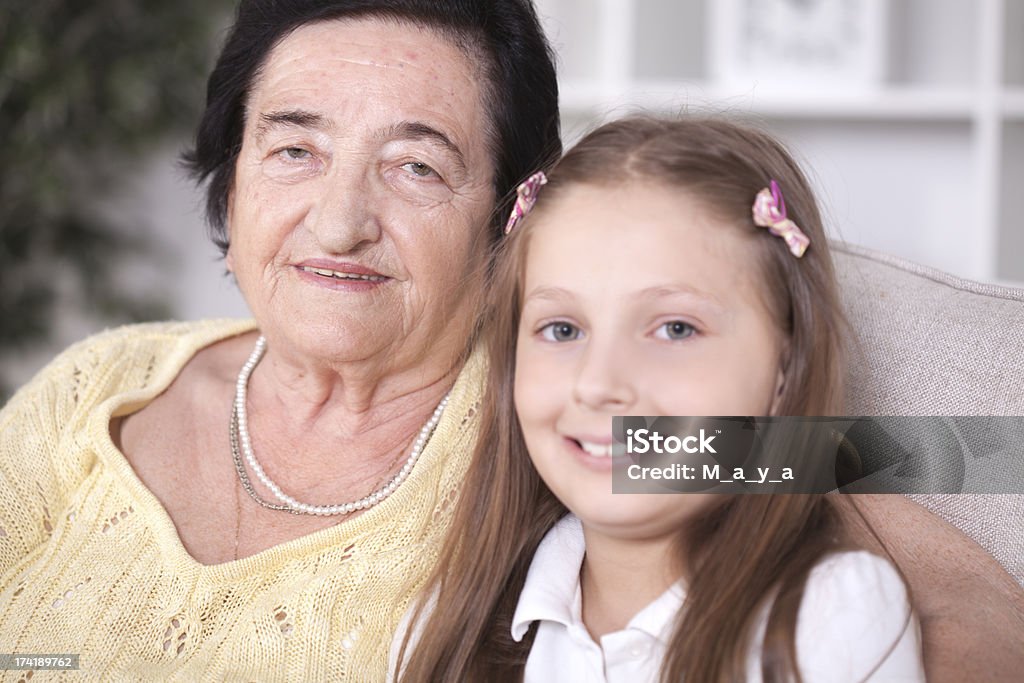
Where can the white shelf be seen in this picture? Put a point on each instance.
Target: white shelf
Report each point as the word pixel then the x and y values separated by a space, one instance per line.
pixel 889 104
pixel 937 146
pixel 1013 104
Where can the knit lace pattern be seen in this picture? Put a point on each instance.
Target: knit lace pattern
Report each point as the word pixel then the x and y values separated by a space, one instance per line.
pixel 91 563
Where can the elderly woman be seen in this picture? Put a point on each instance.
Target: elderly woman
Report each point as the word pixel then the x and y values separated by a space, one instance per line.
pixel 260 500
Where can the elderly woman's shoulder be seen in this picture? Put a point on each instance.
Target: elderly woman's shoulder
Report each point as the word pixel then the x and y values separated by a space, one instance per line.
pixel 172 332
pixel 128 342
pixel 126 358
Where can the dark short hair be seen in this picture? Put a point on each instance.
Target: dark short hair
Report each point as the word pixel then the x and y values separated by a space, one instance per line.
pixel 521 95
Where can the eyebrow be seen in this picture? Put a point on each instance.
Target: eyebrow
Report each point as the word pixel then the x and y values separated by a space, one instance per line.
pixel 548 294
pixel 657 292
pixel 417 130
pixel 292 117
pixel 679 290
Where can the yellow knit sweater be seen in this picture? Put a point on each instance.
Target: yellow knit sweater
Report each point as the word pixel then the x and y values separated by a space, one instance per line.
pixel 91 563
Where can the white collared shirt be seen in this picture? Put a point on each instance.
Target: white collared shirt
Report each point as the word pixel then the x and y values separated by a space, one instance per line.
pixel 854 610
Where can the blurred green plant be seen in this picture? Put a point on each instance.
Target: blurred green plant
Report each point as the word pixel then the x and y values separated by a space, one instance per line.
pixel 85 85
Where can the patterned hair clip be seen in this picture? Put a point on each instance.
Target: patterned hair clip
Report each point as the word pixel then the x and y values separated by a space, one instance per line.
pixel 525 199
pixel 770 212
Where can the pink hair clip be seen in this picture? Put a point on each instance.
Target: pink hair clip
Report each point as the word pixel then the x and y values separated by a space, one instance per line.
pixel 525 199
pixel 770 212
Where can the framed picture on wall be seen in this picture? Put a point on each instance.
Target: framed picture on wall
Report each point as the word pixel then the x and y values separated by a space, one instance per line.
pixel 798 44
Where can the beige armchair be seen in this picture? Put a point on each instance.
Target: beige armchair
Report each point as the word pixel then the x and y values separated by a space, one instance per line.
pixel 929 343
pixel 933 344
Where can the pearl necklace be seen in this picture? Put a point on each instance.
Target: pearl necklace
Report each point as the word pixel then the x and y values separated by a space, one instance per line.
pixel 239 426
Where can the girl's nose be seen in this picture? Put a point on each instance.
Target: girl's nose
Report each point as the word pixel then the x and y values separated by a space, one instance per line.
pixel 603 382
pixel 343 217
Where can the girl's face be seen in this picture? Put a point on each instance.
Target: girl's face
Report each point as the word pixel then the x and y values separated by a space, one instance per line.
pixel 636 302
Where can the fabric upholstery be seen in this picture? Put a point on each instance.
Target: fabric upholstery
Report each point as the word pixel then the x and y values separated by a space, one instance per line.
pixel 929 343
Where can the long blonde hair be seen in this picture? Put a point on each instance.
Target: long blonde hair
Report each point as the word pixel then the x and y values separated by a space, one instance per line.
pixel 740 551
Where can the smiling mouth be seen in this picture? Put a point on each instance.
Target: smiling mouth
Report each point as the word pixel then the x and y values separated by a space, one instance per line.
pixel 597 450
pixel 340 275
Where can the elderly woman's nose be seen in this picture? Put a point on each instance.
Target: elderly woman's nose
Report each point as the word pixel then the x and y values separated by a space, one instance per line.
pixel 342 214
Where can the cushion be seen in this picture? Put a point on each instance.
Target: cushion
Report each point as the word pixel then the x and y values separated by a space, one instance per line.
pixel 929 343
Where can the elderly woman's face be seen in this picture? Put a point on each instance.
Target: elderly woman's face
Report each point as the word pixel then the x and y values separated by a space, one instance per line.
pixel 361 190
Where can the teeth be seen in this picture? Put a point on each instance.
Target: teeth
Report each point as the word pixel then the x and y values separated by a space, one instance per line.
pixel 342 276
pixel 598 450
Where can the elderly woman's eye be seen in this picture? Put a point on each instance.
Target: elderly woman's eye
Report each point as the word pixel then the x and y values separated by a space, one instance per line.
pixel 560 332
pixel 419 169
pixel 297 153
pixel 675 330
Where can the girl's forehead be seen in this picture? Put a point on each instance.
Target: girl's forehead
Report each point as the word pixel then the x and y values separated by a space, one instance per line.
pixel 635 237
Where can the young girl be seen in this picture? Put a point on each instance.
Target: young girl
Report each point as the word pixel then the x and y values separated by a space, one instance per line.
pixel 669 267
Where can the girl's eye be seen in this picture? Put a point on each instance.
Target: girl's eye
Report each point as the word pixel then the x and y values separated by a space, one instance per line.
pixel 675 330
pixel 560 332
pixel 419 169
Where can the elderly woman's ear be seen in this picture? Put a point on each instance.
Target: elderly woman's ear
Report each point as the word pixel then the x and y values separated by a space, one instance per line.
pixel 229 261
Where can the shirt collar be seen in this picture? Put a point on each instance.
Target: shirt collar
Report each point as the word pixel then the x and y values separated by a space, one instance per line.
pixel 552 588
pixel 659 618
pixel 552 583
